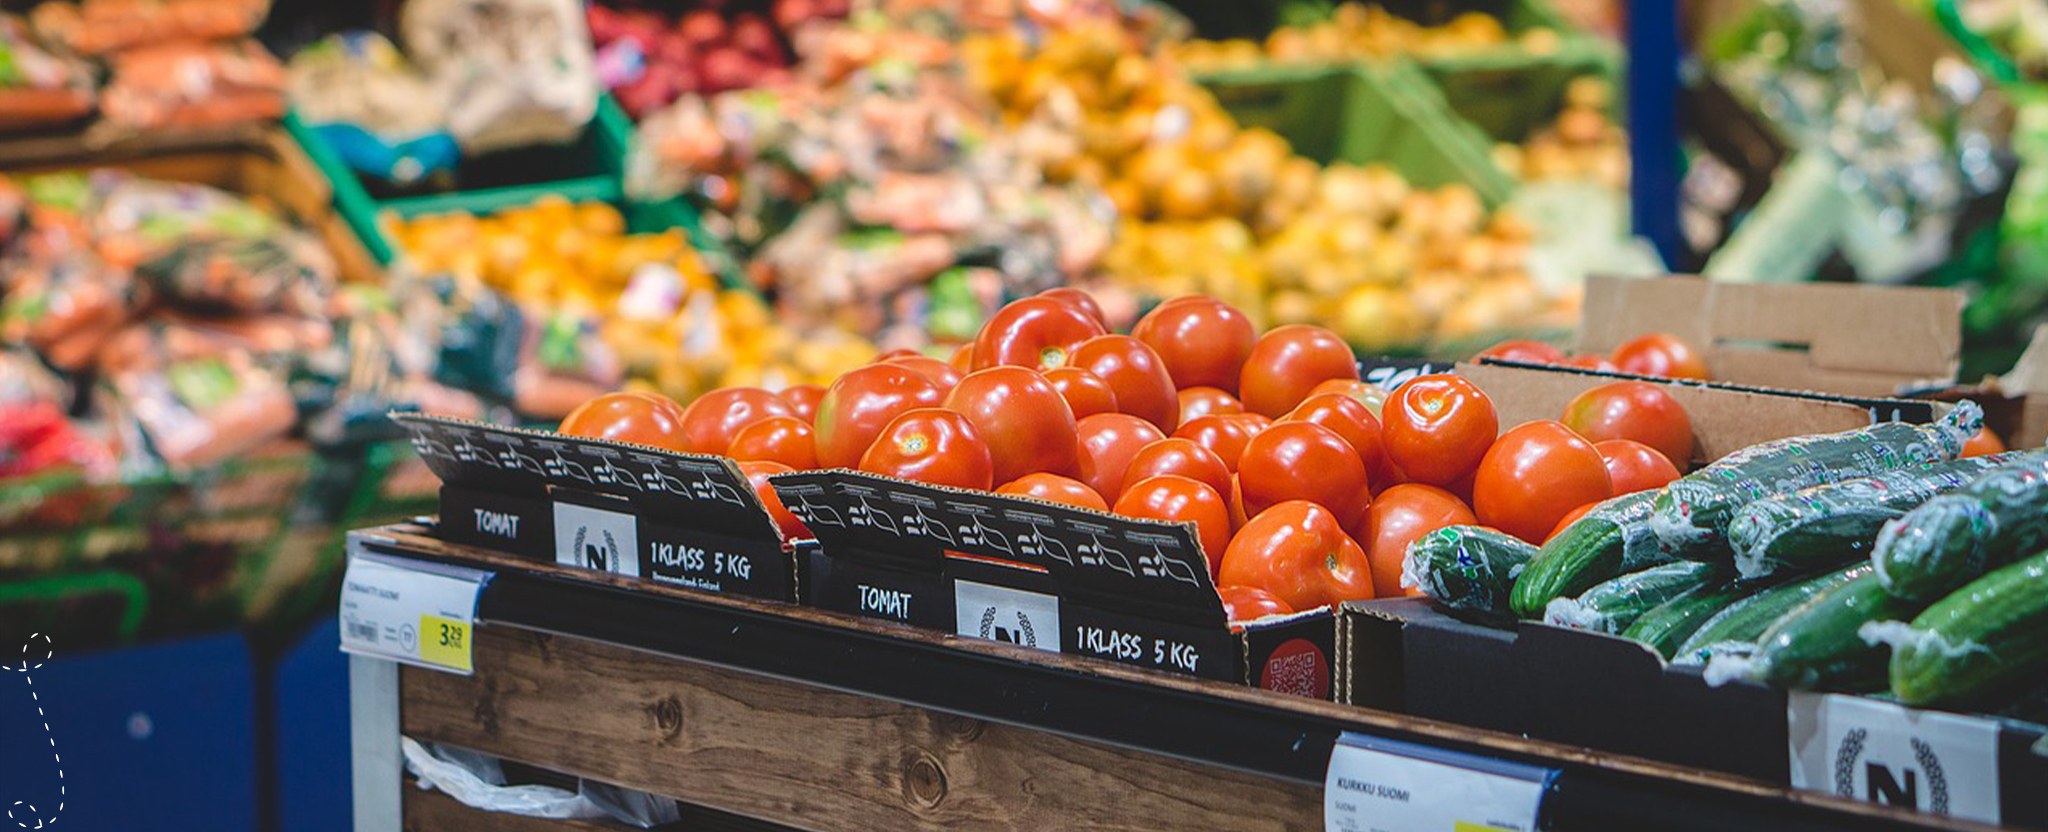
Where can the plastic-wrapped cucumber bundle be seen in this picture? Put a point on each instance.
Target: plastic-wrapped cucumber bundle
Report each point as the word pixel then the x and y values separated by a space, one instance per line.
pixel 1692 515
pixel 1466 567
pixel 1669 624
pixel 1953 538
pixel 1735 630
pixel 1612 539
pixel 1830 524
pixel 1816 645
pixel 1981 641
pixel 1612 605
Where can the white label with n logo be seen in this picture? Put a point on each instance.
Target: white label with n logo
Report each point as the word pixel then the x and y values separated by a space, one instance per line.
pixel 592 538
pixel 1000 613
pixel 1937 763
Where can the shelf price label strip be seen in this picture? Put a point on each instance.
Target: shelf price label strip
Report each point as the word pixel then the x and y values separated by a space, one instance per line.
pixel 410 611
pixel 1379 785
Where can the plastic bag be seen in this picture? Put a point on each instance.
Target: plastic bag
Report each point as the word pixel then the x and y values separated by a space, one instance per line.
pixel 515 73
pixel 478 781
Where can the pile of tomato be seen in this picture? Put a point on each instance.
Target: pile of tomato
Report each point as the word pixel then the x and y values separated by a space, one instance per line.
pixel 1305 485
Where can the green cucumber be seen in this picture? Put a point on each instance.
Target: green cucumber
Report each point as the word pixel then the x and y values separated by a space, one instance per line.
pixel 1831 524
pixel 1739 626
pixel 1950 540
pixel 1612 539
pixel 1466 567
pixel 1612 605
pixel 1691 516
pixel 1669 624
pixel 1816 646
pixel 1979 641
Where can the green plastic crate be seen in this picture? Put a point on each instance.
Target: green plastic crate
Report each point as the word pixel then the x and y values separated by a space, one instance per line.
pixel 1508 93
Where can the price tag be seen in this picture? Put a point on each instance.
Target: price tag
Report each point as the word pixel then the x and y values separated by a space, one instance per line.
pixel 1376 785
pixel 409 611
pixel 1938 763
pixel 1390 372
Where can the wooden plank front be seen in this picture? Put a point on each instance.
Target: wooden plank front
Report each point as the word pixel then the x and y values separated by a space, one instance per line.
pixel 809 757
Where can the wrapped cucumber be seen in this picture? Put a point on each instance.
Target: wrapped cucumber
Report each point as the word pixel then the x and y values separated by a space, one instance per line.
pixel 1735 630
pixel 1951 539
pixel 1669 624
pixel 1612 539
pixel 1612 605
pixel 1980 641
pixel 1466 567
pixel 1692 515
pixel 1816 646
pixel 1832 524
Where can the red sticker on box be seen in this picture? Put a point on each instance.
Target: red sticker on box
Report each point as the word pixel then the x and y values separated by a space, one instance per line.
pixel 1298 667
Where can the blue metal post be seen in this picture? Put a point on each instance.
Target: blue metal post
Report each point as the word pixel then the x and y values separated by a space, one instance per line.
pixel 1653 56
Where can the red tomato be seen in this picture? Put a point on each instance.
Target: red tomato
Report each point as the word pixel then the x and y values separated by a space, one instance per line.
pixel 1534 475
pixel 757 474
pixel 1368 394
pixel 859 404
pixel 1244 603
pixel 963 359
pixel 1143 389
pixel 644 418
pixel 1079 300
pixel 1349 419
pixel 1302 461
pixel 1237 516
pixel 1222 436
pixel 1591 361
pixel 1436 428
pixel 1633 466
pixel 1570 518
pixel 1203 341
pixel 931 445
pixel 1108 442
pixel 1635 410
pixel 1196 402
pixel 1399 516
pixel 1182 500
pixel 1039 333
pixel 940 372
pixel 803 400
pixel 1251 421
pixel 1985 443
pixel 784 439
pixel 1523 350
pixel 1181 457
pixel 711 420
pixel 1054 488
pixel 1086 393
pixel 1026 424
pixel 1287 363
pixel 899 352
pixel 1660 354
pixel 1297 551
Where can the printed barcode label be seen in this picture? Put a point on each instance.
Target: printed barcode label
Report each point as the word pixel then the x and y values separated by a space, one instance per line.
pixel 362 631
pixel 409 611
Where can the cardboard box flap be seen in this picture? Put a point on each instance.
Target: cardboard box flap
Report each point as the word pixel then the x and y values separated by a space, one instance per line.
pixel 1142 566
pixel 686 490
pixel 1846 338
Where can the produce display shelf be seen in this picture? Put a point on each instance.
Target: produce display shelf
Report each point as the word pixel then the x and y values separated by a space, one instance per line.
pixel 806 718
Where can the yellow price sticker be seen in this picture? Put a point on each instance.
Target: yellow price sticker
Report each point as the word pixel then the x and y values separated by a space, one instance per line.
pixel 444 642
pixel 1462 826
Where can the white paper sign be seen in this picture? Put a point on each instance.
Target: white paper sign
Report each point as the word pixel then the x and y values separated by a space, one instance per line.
pixel 1938 763
pixel 999 613
pixel 409 611
pixel 592 538
pixel 1378 785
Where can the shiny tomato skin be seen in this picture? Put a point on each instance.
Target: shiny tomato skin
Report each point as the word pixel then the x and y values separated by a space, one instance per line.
pixel 1985 443
pixel 803 400
pixel 1079 300
pixel 782 439
pixel 1086 393
pixel 1040 333
pixel 899 352
pixel 1289 361
pixel 1108 442
pixel 644 418
pixel 1251 421
pixel 1182 457
pixel 1371 395
pixel 1590 361
pixel 1633 466
pixel 1302 461
pixel 963 359
pixel 1660 354
pixel 1196 402
pixel 1536 474
pixel 934 446
pixel 1245 603
pixel 1203 341
pixel 1437 427
pixel 1351 420
pixel 1298 551
pixel 1635 410
pixel 1523 350
pixel 1027 425
pixel 1398 517
pixel 859 404
pixel 1182 500
pixel 1222 436
pixel 1054 488
pixel 1569 518
pixel 710 422
pixel 1143 389
pixel 1236 497
pixel 940 372
pixel 757 474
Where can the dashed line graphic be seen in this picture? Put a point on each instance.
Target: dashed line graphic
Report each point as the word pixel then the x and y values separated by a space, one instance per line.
pixel 26 808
